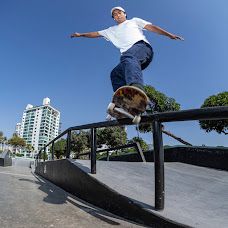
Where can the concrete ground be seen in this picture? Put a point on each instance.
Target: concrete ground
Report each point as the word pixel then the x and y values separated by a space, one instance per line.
pixel 194 196
pixel 27 200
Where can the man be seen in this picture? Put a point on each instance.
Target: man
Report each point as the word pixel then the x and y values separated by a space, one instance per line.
pixel 136 52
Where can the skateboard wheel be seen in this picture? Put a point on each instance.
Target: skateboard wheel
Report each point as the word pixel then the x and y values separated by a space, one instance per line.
pixel 136 119
pixel 111 107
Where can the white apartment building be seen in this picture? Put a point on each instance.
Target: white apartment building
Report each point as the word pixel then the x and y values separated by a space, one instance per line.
pixel 18 129
pixel 40 124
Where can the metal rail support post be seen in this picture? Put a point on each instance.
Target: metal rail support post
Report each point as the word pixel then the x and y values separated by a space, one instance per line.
pixel 107 155
pixel 93 150
pixel 52 150
pixel 68 145
pixel 45 153
pixel 140 152
pixel 158 165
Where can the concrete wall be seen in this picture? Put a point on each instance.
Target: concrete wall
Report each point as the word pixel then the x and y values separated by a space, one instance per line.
pixel 5 159
pixel 25 162
pixel 212 157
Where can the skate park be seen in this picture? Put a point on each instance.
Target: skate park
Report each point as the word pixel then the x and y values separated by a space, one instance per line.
pixel 162 189
pixel 172 187
pixel 169 184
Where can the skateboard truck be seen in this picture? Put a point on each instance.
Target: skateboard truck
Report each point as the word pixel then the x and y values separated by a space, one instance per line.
pixel 113 109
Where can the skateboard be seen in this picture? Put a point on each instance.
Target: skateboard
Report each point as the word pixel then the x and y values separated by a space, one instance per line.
pixel 128 101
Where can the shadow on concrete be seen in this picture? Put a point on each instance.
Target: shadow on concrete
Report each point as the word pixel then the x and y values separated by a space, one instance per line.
pixel 56 195
pixel 82 166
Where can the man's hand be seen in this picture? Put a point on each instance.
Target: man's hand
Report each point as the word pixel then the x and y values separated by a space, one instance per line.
pixel 174 37
pixel 75 35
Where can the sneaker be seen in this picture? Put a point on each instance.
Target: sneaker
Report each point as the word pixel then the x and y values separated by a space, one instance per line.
pixel 150 107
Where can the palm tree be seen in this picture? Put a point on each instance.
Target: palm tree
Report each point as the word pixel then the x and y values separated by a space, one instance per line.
pixel 3 140
pixel 29 148
pixel 17 142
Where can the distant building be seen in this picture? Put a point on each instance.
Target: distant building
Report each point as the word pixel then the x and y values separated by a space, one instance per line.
pixel 40 124
pixel 18 129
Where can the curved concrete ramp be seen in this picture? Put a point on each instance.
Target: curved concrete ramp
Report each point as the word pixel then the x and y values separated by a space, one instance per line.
pixel 195 196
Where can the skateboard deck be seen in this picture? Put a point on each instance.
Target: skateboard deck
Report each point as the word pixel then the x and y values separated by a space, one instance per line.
pixel 128 101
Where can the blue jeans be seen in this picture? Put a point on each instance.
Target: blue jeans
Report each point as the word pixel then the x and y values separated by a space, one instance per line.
pixel 132 62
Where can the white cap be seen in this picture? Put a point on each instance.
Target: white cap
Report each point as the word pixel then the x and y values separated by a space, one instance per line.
pixel 117 7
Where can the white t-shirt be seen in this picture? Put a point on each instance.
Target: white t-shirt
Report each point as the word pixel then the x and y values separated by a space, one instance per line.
pixel 124 35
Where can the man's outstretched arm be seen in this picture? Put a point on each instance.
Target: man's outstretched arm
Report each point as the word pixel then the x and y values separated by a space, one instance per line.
pixel 156 29
pixel 88 35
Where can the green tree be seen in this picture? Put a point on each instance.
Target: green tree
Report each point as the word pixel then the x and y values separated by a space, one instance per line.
pixel 60 148
pixel 3 140
pixel 17 142
pixel 29 148
pixel 111 136
pixel 220 126
pixel 43 156
pixel 162 104
pixel 79 142
pixel 142 143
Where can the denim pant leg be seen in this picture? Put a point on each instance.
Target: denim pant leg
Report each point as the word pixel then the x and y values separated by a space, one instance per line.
pixel 127 72
pixel 132 69
pixel 118 77
pixel 132 62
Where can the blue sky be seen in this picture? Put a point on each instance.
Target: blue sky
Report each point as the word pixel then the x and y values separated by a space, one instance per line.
pixel 38 59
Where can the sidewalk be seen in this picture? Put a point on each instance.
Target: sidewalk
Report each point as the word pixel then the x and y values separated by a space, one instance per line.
pixel 29 201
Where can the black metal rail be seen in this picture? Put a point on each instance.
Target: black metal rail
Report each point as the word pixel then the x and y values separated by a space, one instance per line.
pixel 107 150
pixel 156 120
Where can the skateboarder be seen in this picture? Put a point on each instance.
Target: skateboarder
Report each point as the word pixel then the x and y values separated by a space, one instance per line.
pixel 136 52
